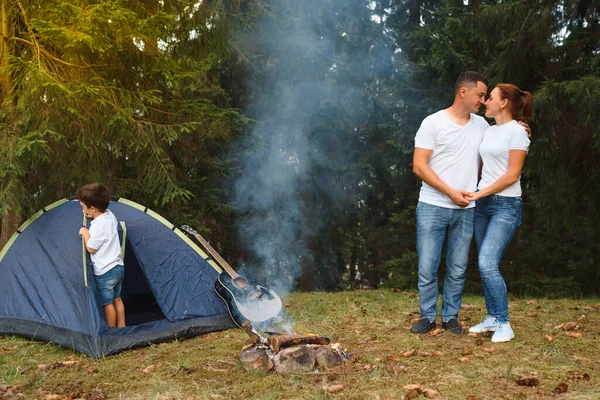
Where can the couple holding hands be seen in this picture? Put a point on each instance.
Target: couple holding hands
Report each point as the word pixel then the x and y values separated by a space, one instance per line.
pixel 471 186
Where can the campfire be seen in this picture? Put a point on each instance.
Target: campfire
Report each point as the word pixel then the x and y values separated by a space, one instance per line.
pixel 288 353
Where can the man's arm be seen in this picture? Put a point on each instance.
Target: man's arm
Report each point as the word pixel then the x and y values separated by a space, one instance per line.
pixel 422 169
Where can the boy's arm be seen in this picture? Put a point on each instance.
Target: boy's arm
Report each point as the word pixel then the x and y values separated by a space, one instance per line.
pixel 86 237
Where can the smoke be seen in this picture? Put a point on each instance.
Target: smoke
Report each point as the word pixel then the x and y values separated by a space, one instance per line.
pixel 295 165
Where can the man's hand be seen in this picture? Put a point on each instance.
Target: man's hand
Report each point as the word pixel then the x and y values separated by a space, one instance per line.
pixel 84 232
pixel 474 196
pixel 459 197
pixel 527 128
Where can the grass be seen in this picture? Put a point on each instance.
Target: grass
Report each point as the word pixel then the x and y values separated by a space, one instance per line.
pixel 372 325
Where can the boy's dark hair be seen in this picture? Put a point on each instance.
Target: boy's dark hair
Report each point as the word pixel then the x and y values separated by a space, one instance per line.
pixel 469 78
pixel 95 195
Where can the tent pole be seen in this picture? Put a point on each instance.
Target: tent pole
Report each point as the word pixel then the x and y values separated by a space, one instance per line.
pixel 84 255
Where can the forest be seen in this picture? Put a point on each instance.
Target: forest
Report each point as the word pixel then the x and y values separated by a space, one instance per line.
pixel 284 130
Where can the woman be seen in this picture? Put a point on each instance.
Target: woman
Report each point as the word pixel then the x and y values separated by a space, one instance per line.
pixel 498 199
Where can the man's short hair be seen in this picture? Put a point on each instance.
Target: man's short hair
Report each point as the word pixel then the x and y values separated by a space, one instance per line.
pixel 94 195
pixel 469 79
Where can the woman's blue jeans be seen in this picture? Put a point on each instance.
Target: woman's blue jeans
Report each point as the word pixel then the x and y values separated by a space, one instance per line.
pixel 496 221
pixel 435 225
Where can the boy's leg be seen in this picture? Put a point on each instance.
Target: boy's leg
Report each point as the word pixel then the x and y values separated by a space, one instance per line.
pixel 120 312
pixel 110 315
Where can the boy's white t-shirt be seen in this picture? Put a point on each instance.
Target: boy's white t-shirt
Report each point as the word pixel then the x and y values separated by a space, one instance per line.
pixel 455 157
pixel 495 148
pixel 104 238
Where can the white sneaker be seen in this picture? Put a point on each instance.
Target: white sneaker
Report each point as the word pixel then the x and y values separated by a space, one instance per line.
pixel 487 325
pixel 504 333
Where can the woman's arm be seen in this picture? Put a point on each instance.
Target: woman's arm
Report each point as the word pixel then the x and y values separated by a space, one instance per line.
pixel 516 159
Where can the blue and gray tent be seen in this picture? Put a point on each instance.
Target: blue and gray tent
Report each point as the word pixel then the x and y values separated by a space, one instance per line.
pixel 48 293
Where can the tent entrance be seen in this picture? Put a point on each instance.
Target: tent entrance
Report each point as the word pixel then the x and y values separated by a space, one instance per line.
pixel 139 301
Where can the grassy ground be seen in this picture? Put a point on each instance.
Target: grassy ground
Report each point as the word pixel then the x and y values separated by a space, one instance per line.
pixel 372 325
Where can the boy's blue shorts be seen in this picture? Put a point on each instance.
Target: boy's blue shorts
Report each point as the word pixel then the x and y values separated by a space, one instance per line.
pixel 109 284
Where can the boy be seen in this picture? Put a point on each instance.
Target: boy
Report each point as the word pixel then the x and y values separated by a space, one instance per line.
pixel 102 242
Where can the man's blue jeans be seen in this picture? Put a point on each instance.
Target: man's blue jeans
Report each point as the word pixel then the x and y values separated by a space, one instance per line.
pixel 434 225
pixel 496 221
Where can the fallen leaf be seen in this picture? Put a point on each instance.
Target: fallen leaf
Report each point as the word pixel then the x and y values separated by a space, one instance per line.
pixel 561 388
pixel 149 369
pixel 368 367
pixel 437 353
pixel 549 338
pixel 580 377
pixel 413 386
pixel 437 331
pixel 576 335
pixel 464 360
pixel 68 363
pixel 422 353
pixel 568 326
pixel 532 302
pixel 525 381
pixel 92 370
pixel 471 397
pixel 489 349
pixel 335 388
pixel 408 353
pixel 392 358
pixel 413 394
pixel 430 393
pixel 533 314
pixel 54 397
pixel 467 351
pixel 479 341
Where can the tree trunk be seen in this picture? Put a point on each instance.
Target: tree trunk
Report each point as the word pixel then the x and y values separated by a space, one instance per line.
pixel 10 221
pixel 414 17
pixel 353 261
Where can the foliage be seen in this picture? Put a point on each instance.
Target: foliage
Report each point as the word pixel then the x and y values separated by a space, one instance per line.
pixel 285 129
pixel 122 92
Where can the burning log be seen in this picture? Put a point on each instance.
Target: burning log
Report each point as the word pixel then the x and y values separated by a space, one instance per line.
pixel 289 353
pixel 256 359
pixel 278 342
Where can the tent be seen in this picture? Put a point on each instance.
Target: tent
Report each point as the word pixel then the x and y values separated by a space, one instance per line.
pixel 48 293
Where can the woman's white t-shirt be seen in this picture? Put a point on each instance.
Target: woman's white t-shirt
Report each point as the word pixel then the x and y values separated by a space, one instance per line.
pixel 104 238
pixel 455 156
pixel 495 148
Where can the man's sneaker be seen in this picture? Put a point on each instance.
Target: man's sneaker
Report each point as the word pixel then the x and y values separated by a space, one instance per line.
pixel 487 325
pixel 423 326
pixel 452 326
pixel 504 333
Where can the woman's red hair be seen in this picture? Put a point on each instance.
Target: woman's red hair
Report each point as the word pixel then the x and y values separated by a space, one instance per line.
pixel 520 101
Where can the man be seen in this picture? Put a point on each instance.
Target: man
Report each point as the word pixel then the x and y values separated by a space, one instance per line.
pixel 446 158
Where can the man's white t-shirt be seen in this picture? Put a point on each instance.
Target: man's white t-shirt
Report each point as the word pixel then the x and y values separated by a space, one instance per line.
pixel 495 148
pixel 455 156
pixel 105 240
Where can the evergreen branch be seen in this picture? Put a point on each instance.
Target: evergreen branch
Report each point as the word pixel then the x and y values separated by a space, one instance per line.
pixel 30 30
pixel 47 53
pixel 526 19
